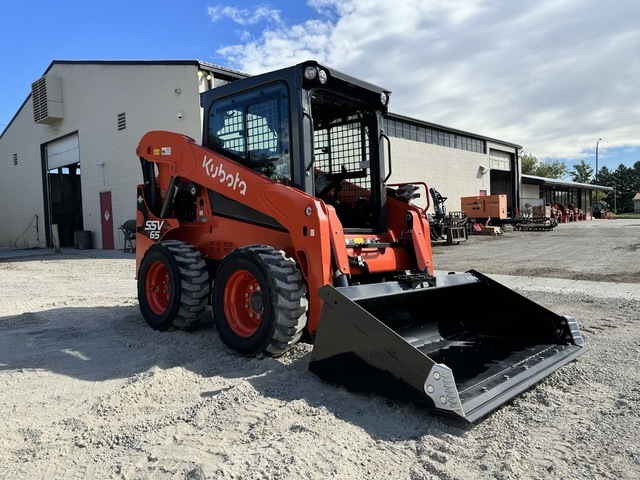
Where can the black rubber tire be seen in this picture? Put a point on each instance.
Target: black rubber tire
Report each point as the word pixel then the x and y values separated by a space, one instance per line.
pixel 282 301
pixel 187 287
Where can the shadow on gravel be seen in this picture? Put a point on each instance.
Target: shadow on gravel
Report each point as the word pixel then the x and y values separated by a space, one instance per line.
pixel 107 343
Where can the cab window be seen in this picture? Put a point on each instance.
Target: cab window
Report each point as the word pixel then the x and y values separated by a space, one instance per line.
pixel 253 128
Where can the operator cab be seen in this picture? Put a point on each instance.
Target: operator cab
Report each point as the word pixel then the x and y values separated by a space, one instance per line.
pixel 309 127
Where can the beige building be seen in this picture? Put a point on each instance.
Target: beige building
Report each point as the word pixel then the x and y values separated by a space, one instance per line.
pixel 71 147
pixel 70 161
pixel 456 163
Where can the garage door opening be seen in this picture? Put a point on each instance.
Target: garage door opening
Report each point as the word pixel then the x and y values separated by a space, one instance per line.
pixel 66 202
pixel 63 189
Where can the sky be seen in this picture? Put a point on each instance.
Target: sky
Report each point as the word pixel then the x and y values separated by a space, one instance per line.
pixel 554 76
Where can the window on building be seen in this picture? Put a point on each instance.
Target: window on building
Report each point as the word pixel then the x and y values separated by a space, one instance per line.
pixel 418 133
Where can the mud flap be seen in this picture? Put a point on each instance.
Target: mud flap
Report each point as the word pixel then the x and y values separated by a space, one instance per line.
pixel 463 344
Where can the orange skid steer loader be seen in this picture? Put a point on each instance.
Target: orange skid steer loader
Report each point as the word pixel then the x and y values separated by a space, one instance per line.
pixel 284 222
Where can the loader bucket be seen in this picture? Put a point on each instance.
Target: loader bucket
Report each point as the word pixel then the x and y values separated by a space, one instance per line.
pixel 463 345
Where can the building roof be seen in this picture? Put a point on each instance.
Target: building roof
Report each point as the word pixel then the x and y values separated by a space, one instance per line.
pixel 637 197
pixel 557 183
pixel 223 71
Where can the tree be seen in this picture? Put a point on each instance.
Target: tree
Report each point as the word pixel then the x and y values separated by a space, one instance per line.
pixel 552 169
pixel 626 183
pixel 528 163
pixel 625 188
pixel 582 172
pixel 548 169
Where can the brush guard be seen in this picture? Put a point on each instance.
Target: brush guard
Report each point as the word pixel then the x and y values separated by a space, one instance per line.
pixel 462 344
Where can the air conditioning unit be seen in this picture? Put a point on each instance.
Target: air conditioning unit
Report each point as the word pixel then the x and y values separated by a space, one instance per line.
pixel 46 94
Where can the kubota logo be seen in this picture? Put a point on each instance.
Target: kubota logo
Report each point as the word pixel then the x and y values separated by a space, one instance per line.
pixel 216 171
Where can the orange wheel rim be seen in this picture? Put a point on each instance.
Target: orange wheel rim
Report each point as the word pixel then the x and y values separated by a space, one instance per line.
pixel 242 303
pixel 157 287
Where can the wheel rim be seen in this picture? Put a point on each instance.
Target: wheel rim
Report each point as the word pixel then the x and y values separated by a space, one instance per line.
pixel 243 303
pixel 158 288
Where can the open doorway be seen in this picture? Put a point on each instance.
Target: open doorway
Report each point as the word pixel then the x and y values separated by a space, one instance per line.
pixel 66 202
pixel 502 183
pixel 63 190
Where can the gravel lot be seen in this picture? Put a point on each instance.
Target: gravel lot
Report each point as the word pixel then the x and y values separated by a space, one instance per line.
pixel 598 250
pixel 89 391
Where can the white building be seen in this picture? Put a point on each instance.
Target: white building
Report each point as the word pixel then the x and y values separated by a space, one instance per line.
pixel 70 160
pixel 69 151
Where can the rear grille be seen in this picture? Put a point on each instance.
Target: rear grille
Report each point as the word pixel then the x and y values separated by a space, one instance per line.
pixel 343 145
pixel 122 121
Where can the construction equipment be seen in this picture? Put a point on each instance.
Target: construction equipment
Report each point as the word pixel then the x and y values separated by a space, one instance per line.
pixel 283 221
pixel 446 227
pixel 600 209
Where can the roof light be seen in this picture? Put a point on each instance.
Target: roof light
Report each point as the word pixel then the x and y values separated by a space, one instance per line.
pixel 310 73
pixel 322 76
pixel 384 98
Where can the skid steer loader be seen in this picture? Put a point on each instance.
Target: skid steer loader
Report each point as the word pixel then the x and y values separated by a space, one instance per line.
pixel 283 221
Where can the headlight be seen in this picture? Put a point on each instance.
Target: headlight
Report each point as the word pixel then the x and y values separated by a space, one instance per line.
pixel 310 73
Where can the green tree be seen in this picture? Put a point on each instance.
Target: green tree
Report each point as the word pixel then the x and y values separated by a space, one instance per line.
pixel 528 163
pixel 625 188
pixel 582 172
pixel 606 178
pixel 552 169
pixel 626 183
pixel 548 169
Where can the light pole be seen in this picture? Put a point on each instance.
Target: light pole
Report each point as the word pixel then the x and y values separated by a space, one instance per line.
pixel 597 160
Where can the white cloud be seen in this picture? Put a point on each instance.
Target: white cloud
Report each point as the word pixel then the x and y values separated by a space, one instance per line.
pixel 552 75
pixel 244 16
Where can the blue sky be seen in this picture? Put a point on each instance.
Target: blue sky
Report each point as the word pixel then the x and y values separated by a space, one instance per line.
pixel 552 75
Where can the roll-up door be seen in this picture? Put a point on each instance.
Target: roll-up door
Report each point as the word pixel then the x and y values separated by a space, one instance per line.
pixel 63 152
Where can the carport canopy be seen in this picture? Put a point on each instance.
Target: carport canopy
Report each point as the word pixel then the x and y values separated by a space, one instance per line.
pixel 554 183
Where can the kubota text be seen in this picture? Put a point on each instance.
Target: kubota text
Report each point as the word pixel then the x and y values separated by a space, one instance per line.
pixel 216 171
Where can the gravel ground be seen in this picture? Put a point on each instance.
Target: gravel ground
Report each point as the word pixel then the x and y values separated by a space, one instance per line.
pixel 89 391
pixel 598 250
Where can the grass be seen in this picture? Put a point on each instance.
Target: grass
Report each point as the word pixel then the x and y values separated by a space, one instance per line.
pixel 635 216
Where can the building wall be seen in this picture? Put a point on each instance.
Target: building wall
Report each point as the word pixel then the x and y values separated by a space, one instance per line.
pixel 21 204
pixel 530 194
pixel 93 96
pixel 453 172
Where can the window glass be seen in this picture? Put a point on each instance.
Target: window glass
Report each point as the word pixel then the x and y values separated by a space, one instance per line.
pixel 409 131
pixel 253 128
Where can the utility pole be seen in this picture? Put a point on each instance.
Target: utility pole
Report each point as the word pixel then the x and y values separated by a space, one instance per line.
pixel 597 160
